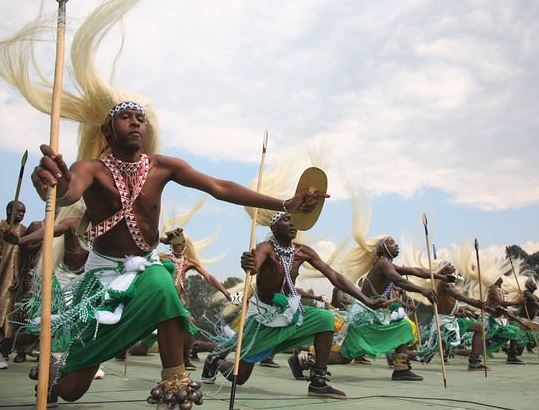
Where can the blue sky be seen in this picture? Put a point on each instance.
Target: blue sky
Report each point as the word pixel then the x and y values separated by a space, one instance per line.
pixel 430 106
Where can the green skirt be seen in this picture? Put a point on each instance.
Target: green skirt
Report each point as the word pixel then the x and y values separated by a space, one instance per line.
pixel 376 339
pixel 498 335
pixel 260 342
pixel 154 300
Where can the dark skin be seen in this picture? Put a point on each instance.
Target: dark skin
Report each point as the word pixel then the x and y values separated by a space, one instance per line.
pixel 497 304
pixel 496 299
pixel 74 254
pixel 271 279
pixel 385 272
pixel 178 249
pixel 448 296
pixel 19 210
pixel 531 301
pixel 94 182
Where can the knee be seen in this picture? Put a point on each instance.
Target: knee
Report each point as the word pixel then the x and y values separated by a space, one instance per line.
pixel 242 379
pixel 71 396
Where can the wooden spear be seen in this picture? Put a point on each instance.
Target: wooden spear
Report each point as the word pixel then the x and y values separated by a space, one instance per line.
pixel 416 320
pixel 247 286
pixel 476 246
pixel 521 295
pixel 438 331
pixel 50 210
pixel 13 210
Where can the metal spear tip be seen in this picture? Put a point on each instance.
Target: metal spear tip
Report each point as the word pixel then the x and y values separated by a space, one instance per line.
pixel 265 141
pixel 476 244
pixel 424 219
pixel 24 158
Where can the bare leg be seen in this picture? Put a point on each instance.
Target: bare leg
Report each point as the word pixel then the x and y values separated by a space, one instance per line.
pixel 170 337
pixel 244 371
pixel 336 358
pixel 322 347
pixel 474 360
pixel 72 386
pixel 477 340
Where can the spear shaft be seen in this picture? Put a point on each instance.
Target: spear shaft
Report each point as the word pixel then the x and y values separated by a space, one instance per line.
pixel 476 246
pixel 50 210
pixel 247 286
pixel 435 305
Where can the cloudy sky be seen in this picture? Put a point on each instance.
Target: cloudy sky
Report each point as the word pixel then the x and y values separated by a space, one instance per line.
pixel 431 106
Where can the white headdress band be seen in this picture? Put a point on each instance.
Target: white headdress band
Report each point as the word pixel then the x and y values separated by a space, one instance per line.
pixel 126 105
pixel 277 216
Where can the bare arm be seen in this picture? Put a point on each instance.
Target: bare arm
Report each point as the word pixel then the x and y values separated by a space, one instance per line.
pixel 307 295
pixel 212 280
pixel 36 236
pixel 65 225
pixel 417 272
pixel 182 173
pixel 392 274
pixel 463 298
pixel 252 261
pixel 338 280
pixel 53 171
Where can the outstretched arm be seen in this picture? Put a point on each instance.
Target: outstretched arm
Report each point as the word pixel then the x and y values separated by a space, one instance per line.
pixel 394 274
pixel 229 191
pixel 463 298
pixel 418 272
pixel 212 280
pixel 53 171
pixel 36 236
pixel 340 281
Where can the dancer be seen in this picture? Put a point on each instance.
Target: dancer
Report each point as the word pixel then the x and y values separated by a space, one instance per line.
pixel 121 180
pixel 499 331
pixel 453 328
pixel 372 262
pixel 10 279
pixel 276 319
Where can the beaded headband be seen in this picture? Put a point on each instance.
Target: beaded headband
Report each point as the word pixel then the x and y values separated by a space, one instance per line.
pixel 277 216
pixel 126 105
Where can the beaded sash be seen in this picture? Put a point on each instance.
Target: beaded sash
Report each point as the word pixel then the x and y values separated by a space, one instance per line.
pixel 129 178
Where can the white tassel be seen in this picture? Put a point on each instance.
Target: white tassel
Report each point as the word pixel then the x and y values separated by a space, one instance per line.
pixel 109 318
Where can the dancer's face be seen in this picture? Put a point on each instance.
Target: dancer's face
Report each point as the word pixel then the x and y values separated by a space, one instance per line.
pixel 531 285
pixel 19 209
pixel 448 270
pixel 126 130
pixel 392 246
pixel 284 230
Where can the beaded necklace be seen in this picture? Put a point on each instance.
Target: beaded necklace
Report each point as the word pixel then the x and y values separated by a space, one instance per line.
pixel 129 178
pixel 179 263
pixel 286 257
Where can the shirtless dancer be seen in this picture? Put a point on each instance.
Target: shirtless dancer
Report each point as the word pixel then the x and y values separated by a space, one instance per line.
pixel 380 281
pixel 123 196
pixel 276 320
pixel 453 327
pixel 499 330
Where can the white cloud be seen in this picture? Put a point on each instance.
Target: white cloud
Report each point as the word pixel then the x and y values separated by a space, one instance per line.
pixel 406 95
